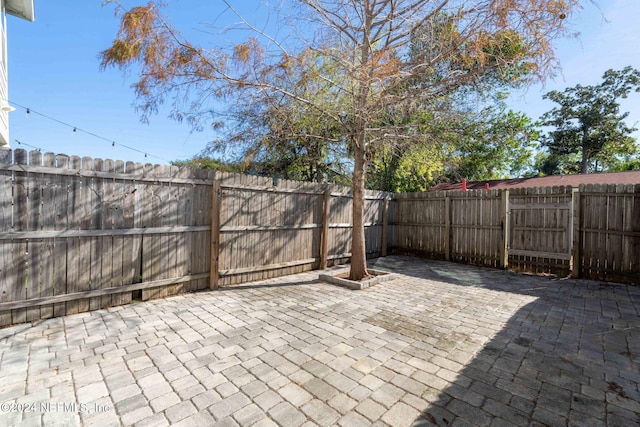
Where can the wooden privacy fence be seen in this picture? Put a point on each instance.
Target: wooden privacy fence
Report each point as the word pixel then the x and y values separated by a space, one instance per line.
pixel 78 234
pixel 608 242
pixel 590 232
pixel 266 231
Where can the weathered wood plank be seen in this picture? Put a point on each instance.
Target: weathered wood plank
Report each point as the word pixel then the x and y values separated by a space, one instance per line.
pixel 107 243
pixel 130 243
pixel 324 239
pixel 83 211
pixel 172 220
pixel 215 235
pixel 163 262
pixel 149 249
pixel 28 235
pixel 20 249
pixel 183 241
pixel 78 172
pixel 117 196
pixel 7 275
pixel 61 199
pixel 204 242
pixel 47 222
pixel 505 219
pixel 17 305
pixel 138 208
pixel 33 256
pixel 95 203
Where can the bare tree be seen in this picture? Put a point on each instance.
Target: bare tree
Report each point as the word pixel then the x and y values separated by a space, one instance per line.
pixel 365 44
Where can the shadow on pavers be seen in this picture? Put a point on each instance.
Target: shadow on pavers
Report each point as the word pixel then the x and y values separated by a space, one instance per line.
pixel 571 357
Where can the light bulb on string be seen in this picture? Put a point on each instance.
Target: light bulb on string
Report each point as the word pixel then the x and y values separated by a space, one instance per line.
pixel 74 131
pixel 28 113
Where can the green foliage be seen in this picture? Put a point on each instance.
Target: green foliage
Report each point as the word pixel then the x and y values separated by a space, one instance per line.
pixel 490 144
pixel 495 145
pixel 208 163
pixel 590 133
pixel 419 168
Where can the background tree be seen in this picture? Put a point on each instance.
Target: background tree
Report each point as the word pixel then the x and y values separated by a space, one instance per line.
pixel 478 145
pixel 495 144
pixel 590 132
pixel 365 43
pixel 203 162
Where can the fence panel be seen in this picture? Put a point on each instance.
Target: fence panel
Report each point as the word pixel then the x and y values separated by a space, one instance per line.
pixel 267 231
pixel 419 224
pixel 540 232
pixel 476 227
pixel 78 234
pixel 540 238
pixel 610 232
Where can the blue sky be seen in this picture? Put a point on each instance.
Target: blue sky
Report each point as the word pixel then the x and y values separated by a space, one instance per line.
pixel 54 70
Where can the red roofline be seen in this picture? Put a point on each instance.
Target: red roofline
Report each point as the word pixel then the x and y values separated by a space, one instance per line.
pixel 627 177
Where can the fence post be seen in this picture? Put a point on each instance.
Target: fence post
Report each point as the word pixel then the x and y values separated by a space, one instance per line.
pixel 324 238
pixel 635 248
pixel 385 207
pixel 576 238
pixel 215 234
pixel 447 228
pixel 504 247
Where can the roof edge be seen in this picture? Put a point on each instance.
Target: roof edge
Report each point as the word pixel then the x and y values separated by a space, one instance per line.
pixel 21 9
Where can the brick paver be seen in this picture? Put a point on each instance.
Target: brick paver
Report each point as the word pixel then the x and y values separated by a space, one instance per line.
pixel 442 344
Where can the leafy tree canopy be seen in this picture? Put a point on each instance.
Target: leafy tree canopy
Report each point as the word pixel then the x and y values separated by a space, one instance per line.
pixel 590 133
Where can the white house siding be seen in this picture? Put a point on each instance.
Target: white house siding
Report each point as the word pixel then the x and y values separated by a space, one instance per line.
pixel 4 95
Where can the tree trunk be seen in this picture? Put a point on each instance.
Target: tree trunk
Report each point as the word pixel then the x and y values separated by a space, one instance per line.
pixel 358 252
pixel 584 164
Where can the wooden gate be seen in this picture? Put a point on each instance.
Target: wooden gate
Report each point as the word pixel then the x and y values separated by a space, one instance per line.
pixel 540 229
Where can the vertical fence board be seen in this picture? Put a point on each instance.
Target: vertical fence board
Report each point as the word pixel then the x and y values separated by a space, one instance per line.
pixel 6 224
pixel 33 256
pixel 116 210
pixel 96 204
pixel 73 243
pixel 106 242
pixel 20 247
pixel 47 223
pixel 130 259
pixel 629 252
pixel 82 209
pixel 634 266
pixel 150 245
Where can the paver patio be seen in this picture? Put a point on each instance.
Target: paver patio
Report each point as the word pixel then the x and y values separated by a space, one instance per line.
pixel 443 344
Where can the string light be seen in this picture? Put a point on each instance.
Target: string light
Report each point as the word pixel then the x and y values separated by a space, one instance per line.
pixel 77 129
pixel 28 145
